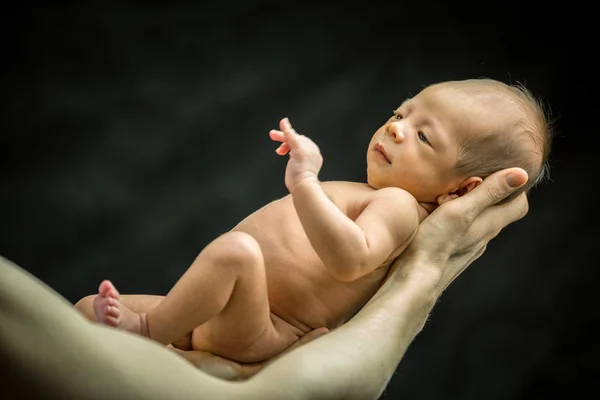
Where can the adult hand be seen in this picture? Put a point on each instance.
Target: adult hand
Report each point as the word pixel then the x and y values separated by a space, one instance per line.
pixel 457 232
pixel 234 371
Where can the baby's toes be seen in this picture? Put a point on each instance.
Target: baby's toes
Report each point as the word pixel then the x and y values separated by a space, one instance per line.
pixel 112 315
pixel 107 289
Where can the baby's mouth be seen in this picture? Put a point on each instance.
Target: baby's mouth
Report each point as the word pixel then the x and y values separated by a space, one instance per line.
pixel 380 150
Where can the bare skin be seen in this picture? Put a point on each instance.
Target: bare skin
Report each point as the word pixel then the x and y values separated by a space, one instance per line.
pixel 297 297
pixel 254 291
pixel 217 366
pixel 356 361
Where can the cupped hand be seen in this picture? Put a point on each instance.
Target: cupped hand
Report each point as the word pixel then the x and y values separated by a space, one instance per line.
pixel 235 371
pixel 457 232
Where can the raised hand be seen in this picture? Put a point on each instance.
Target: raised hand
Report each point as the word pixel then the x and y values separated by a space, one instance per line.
pixel 305 157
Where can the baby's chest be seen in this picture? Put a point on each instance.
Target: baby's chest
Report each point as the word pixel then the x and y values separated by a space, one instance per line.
pixel 349 197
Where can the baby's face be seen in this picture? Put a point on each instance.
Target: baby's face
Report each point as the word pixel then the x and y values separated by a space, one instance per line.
pixel 418 146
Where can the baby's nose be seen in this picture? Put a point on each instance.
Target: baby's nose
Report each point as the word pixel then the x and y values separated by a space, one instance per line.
pixel 396 131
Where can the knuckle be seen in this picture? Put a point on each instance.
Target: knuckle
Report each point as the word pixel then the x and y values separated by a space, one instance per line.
pixel 492 234
pixel 462 217
pixel 461 221
pixel 495 194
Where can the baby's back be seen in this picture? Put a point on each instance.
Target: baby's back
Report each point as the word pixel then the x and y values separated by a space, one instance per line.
pixel 301 290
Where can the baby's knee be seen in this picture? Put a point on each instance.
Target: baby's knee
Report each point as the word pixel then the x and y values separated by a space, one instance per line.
pixel 239 248
pixel 85 302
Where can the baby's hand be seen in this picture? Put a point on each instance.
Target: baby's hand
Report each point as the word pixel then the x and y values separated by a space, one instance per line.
pixel 305 157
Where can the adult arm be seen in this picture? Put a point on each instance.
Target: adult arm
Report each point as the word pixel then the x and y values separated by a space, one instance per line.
pixel 49 350
pixel 357 360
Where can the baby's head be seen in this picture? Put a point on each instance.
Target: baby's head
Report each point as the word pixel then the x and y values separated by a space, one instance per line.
pixel 443 142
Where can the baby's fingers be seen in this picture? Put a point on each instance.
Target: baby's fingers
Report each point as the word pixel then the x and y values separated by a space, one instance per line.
pixel 292 138
pixel 283 149
pixel 279 136
pixel 285 125
pixel 288 131
pixel 276 135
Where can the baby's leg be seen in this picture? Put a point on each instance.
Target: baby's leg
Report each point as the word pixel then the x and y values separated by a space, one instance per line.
pixel 110 309
pixel 225 284
pixel 139 303
pixel 225 291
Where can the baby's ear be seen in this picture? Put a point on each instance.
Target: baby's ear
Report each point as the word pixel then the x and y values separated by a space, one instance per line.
pixel 465 187
pixel 444 198
pixel 468 184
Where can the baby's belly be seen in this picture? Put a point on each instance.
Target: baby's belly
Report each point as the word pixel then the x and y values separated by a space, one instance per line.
pixel 281 337
pixel 301 291
pixel 308 297
pixel 292 299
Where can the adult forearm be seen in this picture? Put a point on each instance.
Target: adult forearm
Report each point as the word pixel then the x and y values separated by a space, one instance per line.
pixel 52 352
pixel 357 360
pixel 339 241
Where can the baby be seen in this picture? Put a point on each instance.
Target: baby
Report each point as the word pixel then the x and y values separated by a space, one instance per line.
pixel 315 257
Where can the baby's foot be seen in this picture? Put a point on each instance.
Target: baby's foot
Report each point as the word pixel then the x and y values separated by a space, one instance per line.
pixel 109 311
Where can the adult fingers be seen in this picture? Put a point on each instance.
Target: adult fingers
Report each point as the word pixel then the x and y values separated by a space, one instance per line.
pixel 309 337
pixel 492 190
pixel 249 370
pixel 485 227
pixel 493 219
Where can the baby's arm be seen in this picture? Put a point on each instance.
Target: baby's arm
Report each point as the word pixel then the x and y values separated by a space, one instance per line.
pixel 349 249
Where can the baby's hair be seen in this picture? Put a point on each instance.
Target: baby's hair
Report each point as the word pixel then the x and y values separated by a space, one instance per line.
pixel 482 155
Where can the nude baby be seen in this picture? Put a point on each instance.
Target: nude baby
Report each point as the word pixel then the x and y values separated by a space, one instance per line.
pixel 313 258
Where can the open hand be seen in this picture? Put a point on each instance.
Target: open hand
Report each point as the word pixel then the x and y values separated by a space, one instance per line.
pixel 305 157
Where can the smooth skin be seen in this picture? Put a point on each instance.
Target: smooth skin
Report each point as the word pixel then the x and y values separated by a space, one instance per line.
pixel 46 343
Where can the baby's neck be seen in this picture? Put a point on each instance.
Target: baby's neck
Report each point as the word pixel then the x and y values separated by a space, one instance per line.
pixel 425 209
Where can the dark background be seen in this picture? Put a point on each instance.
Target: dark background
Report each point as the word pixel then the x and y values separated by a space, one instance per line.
pixel 133 136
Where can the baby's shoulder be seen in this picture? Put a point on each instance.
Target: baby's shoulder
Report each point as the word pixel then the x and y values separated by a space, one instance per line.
pixel 354 197
pixel 360 191
pixel 349 190
pixel 347 195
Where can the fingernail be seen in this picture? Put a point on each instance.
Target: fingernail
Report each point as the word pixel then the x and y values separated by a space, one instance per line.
pixel 514 180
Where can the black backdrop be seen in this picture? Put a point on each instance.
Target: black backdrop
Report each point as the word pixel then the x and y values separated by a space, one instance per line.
pixel 132 136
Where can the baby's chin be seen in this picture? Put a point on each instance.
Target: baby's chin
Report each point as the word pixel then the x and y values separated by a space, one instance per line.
pixel 373 183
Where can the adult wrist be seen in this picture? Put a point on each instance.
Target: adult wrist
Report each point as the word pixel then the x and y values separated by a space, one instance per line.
pixel 419 272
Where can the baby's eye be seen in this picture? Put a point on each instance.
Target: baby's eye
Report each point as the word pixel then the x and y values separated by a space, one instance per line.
pixel 422 137
pixel 397 115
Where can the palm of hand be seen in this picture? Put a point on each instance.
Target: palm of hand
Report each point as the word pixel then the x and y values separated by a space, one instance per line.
pixel 234 371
